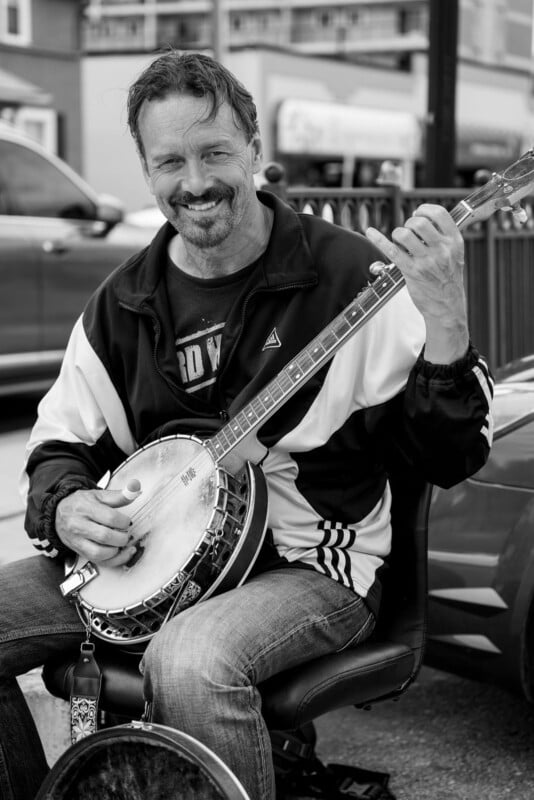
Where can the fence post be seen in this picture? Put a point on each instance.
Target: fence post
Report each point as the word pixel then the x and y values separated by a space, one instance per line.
pixel 396 205
pixel 275 175
pixel 493 295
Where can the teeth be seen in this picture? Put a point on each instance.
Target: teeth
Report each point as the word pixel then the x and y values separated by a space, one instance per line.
pixel 202 206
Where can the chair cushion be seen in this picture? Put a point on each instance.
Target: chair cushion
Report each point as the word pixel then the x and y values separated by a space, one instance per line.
pixel 358 676
pixel 355 676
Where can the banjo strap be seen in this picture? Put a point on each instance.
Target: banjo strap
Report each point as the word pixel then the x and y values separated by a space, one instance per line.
pixel 85 692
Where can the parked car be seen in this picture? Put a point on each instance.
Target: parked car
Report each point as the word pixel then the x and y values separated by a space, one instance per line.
pixel 522 369
pixel 481 552
pixel 58 241
pixel 150 217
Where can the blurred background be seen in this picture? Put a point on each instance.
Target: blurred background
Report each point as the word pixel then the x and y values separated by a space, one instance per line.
pixel 339 86
pixel 358 98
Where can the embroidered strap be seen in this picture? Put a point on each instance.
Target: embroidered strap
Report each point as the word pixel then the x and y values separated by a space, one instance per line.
pixel 85 692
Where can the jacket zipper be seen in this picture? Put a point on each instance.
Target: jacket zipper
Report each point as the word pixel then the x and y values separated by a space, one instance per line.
pixel 145 311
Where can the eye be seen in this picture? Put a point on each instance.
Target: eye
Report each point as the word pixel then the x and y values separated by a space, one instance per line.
pixel 172 161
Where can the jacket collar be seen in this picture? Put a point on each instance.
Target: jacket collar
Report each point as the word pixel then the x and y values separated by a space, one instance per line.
pixel 287 261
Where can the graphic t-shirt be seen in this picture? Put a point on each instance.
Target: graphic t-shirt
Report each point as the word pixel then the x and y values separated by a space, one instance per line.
pixel 200 307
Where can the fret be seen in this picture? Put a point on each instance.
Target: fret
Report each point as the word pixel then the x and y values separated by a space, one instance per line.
pixel 242 421
pixel 236 427
pixel 317 350
pixel 353 313
pixel 369 300
pixel 329 340
pixel 250 414
pixel 372 290
pixel 229 433
pixel 381 287
pixel 276 390
pixel 294 372
pixel 223 438
pixel 461 212
pixel 306 361
pixel 267 398
pixel 258 407
pixel 214 447
pixel 360 313
pixel 341 326
pixel 285 381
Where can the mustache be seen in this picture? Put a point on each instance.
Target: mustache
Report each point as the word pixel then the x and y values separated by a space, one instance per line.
pixel 212 195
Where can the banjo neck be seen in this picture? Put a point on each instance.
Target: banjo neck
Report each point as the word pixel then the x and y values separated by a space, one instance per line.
pixel 305 364
pixel 479 205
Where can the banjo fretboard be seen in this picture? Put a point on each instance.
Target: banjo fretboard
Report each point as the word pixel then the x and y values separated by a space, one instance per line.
pixel 306 363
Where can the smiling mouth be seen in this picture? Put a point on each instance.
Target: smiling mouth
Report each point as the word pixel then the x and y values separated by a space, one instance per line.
pixel 202 206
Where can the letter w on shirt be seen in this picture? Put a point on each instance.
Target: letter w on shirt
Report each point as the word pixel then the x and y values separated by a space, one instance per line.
pixel 199 356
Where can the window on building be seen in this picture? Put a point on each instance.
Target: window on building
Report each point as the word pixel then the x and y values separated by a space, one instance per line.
pixel 520 6
pixel 518 39
pixel 40 124
pixel 183 30
pixel 15 21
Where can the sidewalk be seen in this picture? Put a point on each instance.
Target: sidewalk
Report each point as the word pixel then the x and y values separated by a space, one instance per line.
pixel 51 715
pixel 13 541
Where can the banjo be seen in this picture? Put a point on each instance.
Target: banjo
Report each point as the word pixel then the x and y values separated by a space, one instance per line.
pixel 199 518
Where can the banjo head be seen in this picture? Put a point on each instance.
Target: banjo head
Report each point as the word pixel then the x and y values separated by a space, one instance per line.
pixel 179 483
pixel 197 528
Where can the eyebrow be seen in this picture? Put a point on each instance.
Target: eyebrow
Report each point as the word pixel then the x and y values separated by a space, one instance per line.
pixel 227 142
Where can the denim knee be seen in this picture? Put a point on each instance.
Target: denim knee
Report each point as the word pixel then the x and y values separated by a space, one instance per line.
pixel 183 656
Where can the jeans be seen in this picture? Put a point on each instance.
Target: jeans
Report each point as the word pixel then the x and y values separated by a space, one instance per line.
pixel 36 623
pixel 200 670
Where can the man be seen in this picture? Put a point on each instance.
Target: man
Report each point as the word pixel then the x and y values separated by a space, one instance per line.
pixel 193 328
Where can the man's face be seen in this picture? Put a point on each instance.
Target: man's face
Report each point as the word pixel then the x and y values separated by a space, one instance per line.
pixel 200 171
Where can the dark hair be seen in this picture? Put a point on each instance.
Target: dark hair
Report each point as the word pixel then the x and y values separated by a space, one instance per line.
pixel 195 74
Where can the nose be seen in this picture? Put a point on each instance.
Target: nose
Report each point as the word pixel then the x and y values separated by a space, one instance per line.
pixel 195 178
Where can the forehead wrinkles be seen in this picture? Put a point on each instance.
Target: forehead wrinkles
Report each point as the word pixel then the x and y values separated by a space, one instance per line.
pixel 189 119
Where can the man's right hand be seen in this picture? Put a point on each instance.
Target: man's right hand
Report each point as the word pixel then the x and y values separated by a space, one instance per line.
pixel 90 522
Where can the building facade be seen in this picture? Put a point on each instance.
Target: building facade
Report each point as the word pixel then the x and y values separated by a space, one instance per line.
pixel 340 86
pixel 40 45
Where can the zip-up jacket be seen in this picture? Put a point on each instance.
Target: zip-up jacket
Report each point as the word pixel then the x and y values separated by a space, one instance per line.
pixel 328 447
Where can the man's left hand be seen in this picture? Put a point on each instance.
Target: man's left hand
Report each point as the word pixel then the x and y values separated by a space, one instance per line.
pixel 429 251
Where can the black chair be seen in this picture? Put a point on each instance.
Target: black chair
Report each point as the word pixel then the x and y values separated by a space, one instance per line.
pixel 382 667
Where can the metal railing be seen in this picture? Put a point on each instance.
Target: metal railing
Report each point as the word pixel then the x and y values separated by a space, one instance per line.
pixel 499 274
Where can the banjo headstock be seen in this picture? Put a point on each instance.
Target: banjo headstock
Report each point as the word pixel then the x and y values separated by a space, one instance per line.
pixel 504 190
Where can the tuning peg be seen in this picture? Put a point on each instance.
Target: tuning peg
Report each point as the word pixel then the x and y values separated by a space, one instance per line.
pixel 519 213
pixel 378 267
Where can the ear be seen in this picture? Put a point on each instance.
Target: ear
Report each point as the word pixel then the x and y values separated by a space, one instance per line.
pixel 257 154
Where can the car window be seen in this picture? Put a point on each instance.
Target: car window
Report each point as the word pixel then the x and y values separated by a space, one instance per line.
pixel 32 186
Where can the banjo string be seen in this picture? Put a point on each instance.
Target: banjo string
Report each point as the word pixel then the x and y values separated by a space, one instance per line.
pixel 166 489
